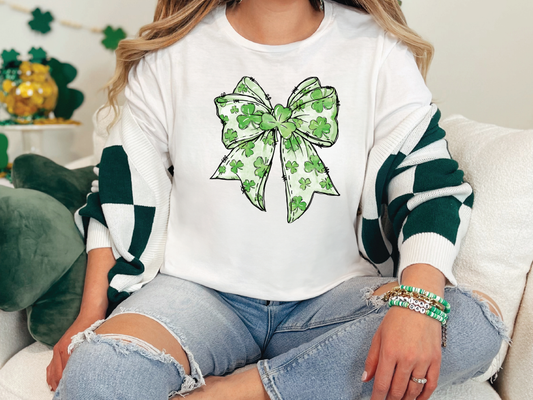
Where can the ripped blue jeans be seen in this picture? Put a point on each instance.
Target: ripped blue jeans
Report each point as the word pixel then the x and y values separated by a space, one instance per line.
pixel 311 349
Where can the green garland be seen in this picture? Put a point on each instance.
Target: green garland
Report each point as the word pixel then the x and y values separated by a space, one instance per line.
pixel 41 23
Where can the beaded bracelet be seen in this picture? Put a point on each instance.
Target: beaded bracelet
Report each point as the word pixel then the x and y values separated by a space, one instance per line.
pixel 442 318
pixel 397 291
pixel 432 305
pixel 429 295
pixel 421 303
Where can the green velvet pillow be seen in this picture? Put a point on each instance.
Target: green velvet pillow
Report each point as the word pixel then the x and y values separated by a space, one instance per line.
pixel 42 254
pixel 53 313
pixel 70 187
pixel 39 242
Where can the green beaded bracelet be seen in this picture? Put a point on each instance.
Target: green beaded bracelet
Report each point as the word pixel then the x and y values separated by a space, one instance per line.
pixel 434 313
pixel 423 292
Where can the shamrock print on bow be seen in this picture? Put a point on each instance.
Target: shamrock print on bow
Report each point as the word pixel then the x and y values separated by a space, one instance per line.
pixel 252 128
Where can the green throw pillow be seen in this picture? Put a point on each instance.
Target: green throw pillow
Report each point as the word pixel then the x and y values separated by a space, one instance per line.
pixel 39 242
pixel 42 254
pixel 70 187
pixel 53 313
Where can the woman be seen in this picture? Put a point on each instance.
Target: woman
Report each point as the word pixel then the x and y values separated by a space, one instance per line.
pixel 267 272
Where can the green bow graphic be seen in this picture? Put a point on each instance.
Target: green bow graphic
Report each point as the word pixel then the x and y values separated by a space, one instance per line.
pixel 250 128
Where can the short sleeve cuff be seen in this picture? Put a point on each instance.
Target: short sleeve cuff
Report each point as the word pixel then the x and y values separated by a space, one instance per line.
pixel 97 236
pixel 429 248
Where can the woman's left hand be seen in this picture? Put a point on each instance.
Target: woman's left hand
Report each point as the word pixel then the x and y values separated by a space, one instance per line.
pixel 407 344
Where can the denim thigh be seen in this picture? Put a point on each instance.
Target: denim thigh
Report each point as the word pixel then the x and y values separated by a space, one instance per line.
pixel 320 350
pixel 210 332
pixel 116 366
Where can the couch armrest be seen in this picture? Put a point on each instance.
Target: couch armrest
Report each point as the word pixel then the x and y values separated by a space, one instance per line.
pixel 14 335
pixel 514 381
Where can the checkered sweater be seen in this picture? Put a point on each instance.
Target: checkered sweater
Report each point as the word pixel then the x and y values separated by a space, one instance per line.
pixel 414 208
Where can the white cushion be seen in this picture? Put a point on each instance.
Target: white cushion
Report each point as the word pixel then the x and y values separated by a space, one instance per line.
pixel 24 376
pixel 515 378
pixel 497 251
pixel 14 335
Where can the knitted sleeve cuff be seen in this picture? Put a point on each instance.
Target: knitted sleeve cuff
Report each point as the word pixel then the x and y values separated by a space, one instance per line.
pixel 97 236
pixel 429 248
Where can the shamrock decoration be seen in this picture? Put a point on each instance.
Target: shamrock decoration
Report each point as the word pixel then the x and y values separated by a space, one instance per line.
pixel 10 56
pixel 235 166
pixel 247 148
pixel 41 21
pixel 252 131
pixel 112 37
pixel 314 164
pixel 37 55
pixel 261 168
pixel 304 183
pixel 68 99
pixel 230 135
pixel 298 204
pixel 292 166
pixel 319 127
pixel 247 185
pixel 326 183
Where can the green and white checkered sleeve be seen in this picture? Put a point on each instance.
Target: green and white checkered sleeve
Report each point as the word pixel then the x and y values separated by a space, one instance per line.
pixel 131 204
pixel 429 204
pixel 415 204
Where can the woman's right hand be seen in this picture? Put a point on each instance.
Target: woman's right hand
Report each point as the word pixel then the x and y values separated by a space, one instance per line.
pixel 54 371
pixel 93 308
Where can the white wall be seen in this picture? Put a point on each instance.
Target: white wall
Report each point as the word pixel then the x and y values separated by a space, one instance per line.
pixel 81 48
pixel 483 66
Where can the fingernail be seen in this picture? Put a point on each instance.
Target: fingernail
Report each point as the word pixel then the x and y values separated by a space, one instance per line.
pixel 365 374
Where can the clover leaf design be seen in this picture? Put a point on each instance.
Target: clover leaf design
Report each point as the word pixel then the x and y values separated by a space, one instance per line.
pixel 247 148
pixel 236 165
pixel 252 127
pixel 293 143
pixel 230 135
pixel 304 183
pixel 247 185
pixel 260 168
pixel 321 101
pixel 326 183
pixel 222 101
pixel 291 166
pixel 248 116
pixel 319 127
pixel 268 139
pixel 297 202
pixel 314 164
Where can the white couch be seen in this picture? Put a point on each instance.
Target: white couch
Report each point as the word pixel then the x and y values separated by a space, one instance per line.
pixel 496 257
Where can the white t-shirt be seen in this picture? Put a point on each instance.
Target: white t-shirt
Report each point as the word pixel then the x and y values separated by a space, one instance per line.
pixel 243 217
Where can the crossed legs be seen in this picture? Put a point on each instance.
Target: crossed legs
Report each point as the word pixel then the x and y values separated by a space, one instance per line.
pixel 171 357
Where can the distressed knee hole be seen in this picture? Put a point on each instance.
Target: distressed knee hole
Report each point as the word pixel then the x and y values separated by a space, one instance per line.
pixel 123 343
pixel 493 307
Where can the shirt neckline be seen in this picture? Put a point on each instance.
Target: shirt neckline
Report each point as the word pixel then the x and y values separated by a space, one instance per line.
pixel 224 24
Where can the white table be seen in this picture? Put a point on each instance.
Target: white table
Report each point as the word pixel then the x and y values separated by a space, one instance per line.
pixel 5 182
pixel 32 135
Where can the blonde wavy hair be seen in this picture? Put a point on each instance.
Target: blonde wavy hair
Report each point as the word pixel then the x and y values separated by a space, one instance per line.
pixel 173 19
